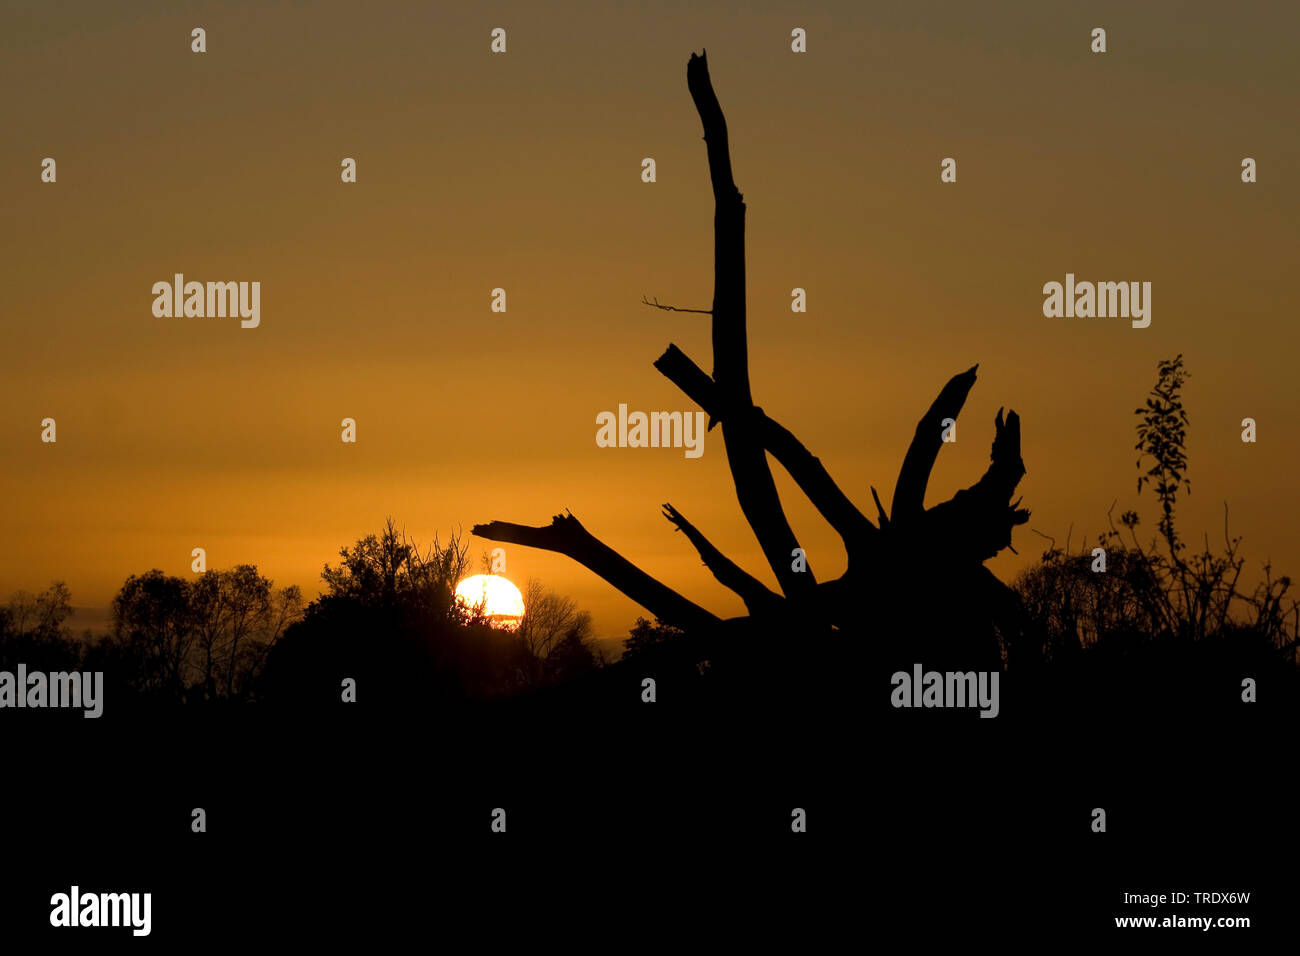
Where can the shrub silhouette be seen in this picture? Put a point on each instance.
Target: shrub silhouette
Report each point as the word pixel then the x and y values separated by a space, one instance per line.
pixel 1158 613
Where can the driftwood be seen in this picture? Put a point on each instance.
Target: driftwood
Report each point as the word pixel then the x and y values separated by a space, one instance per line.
pixel 910 554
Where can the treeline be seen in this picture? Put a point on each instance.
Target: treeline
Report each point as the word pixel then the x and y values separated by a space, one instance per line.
pixel 388 619
pixel 173 639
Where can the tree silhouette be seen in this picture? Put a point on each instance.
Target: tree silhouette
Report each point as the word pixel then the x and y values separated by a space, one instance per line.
pixel 1162 435
pixel 896 568
pixel 380 569
pixel 550 619
pixel 205 639
pixel 32 630
pixel 390 620
pixel 152 612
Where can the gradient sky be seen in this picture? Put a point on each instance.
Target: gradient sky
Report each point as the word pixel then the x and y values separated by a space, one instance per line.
pixel 523 171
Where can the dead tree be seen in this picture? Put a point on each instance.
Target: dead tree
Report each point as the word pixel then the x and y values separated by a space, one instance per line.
pixel 918 569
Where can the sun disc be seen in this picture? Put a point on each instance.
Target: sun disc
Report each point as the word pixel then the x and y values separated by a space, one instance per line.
pixel 502 602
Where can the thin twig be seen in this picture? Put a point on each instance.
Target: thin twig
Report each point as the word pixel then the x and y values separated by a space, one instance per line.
pixel 673 308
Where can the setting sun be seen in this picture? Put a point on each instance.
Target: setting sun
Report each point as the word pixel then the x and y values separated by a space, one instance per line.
pixel 502 602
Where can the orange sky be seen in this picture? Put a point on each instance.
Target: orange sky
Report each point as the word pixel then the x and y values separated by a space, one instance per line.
pixel 523 171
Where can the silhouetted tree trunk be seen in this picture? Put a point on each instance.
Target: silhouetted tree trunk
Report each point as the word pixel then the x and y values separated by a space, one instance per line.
pixel 920 570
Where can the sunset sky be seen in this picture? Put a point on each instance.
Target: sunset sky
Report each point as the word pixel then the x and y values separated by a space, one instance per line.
pixel 522 171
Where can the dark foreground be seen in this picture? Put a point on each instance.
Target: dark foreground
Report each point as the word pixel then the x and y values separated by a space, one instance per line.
pixel 629 822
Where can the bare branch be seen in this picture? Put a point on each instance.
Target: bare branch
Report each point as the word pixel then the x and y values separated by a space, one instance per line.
pixel 673 308
pixel 1050 539
pixel 566 535
pixel 756 595
pixel 975 524
pixel 880 509
pixel 914 475
pixel 805 468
